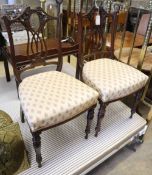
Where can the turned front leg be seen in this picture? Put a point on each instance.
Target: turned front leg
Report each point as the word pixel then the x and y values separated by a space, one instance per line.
pixel 89 121
pixel 101 114
pixel 37 146
pixel 138 96
pixel 22 115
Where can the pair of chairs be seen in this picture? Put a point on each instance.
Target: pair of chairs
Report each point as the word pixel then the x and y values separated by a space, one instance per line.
pixel 52 98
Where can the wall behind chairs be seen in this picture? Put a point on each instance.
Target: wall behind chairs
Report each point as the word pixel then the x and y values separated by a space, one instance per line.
pixel 32 3
pixel 138 3
pixel 3 2
pixel 11 2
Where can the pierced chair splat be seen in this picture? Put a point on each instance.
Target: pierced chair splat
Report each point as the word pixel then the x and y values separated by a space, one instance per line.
pixel 36 50
pixel 112 79
pixel 50 98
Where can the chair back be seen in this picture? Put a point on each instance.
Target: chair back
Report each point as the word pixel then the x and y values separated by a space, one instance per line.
pixel 70 16
pixel 70 20
pixel 101 27
pixel 38 50
pixel 139 38
pixel 134 48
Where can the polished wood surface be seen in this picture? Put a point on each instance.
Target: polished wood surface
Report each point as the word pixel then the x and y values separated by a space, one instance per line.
pixel 20 49
pixel 128 40
pixel 37 50
pixel 67 48
pixel 52 44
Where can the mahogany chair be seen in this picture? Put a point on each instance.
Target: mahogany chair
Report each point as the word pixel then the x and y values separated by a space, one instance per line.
pixel 112 79
pixel 50 98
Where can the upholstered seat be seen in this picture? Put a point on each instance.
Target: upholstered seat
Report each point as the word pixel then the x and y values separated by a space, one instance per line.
pixel 112 79
pixel 147 64
pixel 51 98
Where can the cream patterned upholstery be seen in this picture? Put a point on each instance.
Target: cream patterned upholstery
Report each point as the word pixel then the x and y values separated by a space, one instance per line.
pixel 147 64
pixel 112 79
pixel 53 97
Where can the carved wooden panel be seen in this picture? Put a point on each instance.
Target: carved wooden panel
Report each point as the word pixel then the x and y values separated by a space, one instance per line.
pixel 96 25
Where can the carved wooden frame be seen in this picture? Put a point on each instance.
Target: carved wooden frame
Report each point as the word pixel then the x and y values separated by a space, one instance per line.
pixel 37 52
pixel 39 58
pixel 101 41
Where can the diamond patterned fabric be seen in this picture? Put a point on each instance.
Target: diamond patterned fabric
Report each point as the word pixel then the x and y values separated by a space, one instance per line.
pixel 113 79
pixel 53 97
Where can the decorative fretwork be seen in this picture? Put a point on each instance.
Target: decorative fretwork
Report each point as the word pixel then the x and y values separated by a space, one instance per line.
pixel 37 51
pixel 95 33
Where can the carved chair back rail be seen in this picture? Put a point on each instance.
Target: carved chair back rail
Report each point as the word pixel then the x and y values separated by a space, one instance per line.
pixel 94 35
pixel 36 51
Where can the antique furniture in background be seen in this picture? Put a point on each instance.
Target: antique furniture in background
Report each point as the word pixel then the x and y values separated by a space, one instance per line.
pixel 139 56
pixel 70 21
pixel 70 17
pixel 111 78
pixel 50 98
pixel 69 45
